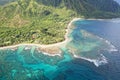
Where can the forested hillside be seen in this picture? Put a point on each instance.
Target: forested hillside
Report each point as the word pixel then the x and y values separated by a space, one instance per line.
pixel 44 21
pixel 88 8
pixel 27 21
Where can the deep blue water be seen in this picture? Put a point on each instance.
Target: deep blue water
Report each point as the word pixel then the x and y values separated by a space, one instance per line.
pixel 107 29
pixel 88 43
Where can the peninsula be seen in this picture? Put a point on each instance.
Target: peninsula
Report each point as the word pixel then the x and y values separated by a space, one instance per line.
pixel 53 49
pixel 43 22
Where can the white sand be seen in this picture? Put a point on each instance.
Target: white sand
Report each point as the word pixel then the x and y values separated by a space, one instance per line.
pixel 59 44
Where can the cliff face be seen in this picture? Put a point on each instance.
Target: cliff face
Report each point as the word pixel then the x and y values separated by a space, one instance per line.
pixel 44 21
pixel 88 8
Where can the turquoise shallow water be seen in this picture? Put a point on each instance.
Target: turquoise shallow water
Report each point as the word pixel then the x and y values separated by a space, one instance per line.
pixel 79 59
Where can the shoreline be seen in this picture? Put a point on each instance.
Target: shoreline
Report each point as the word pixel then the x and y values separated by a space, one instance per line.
pixel 54 44
pixel 43 47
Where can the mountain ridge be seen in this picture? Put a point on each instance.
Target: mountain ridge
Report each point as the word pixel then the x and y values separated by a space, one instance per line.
pixel 31 22
pixel 87 8
pixel 45 21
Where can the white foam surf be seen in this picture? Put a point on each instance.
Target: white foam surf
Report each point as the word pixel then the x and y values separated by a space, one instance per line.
pixel 27 48
pixel 112 47
pixel 97 62
pixel 48 54
pixel 115 21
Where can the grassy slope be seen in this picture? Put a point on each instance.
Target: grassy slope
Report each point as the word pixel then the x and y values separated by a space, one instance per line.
pixel 89 8
pixel 32 23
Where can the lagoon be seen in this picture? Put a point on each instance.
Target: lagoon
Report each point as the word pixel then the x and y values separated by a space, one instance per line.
pixel 92 54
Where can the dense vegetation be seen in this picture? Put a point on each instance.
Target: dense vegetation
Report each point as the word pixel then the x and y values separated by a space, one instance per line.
pixel 29 22
pixel 44 21
pixel 88 8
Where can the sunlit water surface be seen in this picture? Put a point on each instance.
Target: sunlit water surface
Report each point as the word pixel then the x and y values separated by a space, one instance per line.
pixel 92 54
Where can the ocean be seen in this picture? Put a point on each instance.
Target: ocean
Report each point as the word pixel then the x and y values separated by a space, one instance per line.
pixel 92 54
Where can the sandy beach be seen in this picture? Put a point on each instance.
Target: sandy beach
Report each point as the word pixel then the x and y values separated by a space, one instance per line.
pixel 51 48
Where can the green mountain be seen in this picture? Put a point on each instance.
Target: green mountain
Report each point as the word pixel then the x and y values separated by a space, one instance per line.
pixel 45 21
pixel 88 8
pixel 27 21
